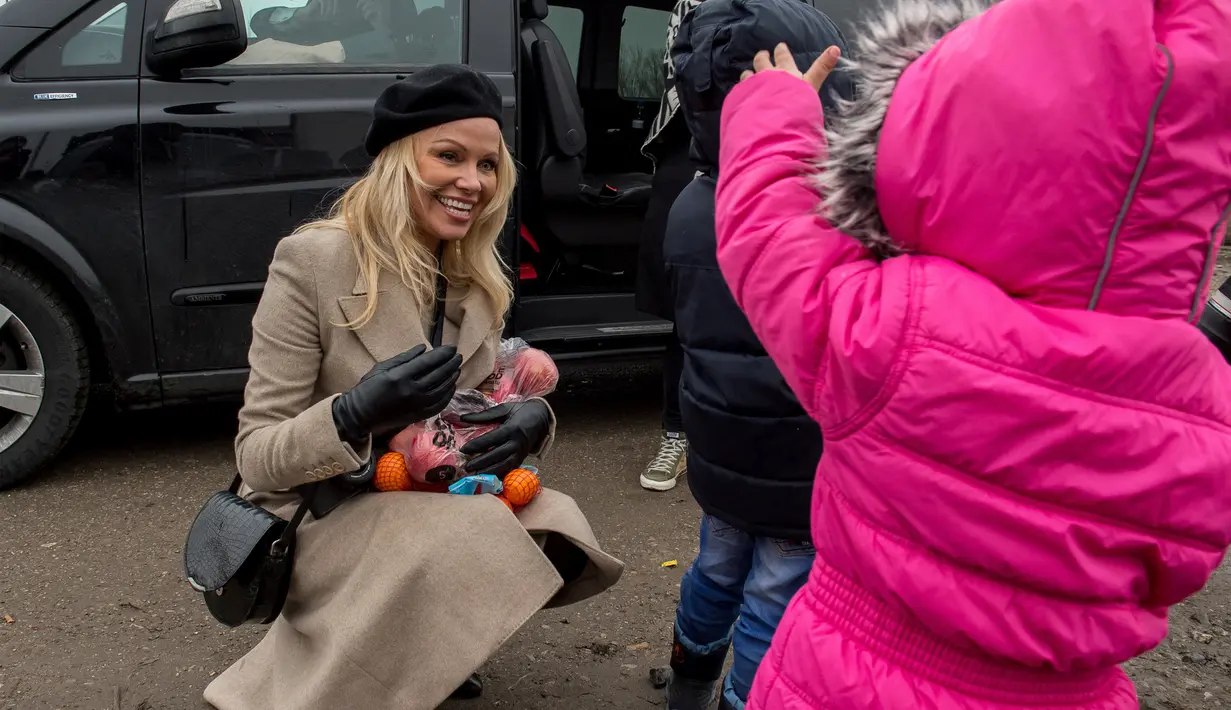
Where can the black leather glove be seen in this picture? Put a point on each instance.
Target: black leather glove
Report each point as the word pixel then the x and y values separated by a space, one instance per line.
pixel 398 392
pixel 523 427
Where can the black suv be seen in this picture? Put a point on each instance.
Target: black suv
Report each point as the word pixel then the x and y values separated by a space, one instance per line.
pixel 152 152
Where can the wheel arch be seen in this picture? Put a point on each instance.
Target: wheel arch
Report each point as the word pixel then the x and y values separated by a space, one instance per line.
pixel 39 246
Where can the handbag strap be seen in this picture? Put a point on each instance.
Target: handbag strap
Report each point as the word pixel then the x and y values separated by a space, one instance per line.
pixel 283 543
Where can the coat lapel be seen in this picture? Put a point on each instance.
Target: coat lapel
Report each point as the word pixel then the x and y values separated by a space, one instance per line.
pixel 395 327
pixel 398 324
pixel 468 322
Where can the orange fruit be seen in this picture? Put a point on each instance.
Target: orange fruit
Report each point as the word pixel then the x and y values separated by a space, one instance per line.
pixel 391 473
pixel 521 486
pixel 506 502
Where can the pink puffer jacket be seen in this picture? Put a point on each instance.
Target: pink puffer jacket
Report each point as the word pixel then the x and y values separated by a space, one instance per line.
pixel 1027 442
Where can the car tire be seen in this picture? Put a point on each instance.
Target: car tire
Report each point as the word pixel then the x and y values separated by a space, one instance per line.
pixel 38 335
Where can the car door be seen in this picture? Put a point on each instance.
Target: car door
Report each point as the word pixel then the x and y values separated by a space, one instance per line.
pixel 235 157
pixel 69 159
pixel 623 95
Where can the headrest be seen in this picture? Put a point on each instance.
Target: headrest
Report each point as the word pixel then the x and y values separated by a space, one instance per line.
pixel 534 9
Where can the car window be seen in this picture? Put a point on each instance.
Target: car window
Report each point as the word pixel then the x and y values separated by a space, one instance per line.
pixel 358 33
pixel 97 44
pixel 116 17
pixel 566 23
pixel 252 7
pixel 101 42
pixel 847 13
pixel 643 42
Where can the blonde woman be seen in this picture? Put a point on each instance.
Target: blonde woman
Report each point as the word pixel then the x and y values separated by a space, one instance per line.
pixel 396 599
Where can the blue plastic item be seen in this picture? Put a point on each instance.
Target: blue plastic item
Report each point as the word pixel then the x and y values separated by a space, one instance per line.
pixel 482 483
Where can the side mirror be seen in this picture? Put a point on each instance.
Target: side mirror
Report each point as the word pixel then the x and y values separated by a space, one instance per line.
pixel 195 34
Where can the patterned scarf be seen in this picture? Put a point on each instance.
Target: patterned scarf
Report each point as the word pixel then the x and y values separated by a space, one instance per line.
pixel 670 103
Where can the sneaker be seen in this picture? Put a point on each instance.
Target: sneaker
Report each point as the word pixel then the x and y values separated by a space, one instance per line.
pixel 671 461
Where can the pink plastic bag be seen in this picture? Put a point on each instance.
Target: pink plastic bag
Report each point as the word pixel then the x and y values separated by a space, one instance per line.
pixel 431 448
pixel 522 372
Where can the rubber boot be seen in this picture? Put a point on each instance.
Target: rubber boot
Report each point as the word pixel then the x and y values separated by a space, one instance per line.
pixel 470 689
pixel 694 676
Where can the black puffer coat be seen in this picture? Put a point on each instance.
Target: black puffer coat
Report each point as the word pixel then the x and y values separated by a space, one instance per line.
pixel 752 450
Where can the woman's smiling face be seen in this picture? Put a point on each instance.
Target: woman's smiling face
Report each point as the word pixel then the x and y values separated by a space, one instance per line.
pixel 457 161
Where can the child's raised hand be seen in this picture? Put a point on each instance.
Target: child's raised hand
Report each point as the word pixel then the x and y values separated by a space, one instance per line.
pixel 784 62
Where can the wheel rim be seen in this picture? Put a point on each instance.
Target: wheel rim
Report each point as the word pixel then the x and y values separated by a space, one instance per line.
pixel 21 378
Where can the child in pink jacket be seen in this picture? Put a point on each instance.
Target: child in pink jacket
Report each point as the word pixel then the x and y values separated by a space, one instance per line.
pixel 1028 442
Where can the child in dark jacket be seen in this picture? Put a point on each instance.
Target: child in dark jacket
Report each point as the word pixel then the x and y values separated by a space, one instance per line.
pixel 753 450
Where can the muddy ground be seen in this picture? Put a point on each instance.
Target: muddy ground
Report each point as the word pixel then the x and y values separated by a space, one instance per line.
pixel 94 613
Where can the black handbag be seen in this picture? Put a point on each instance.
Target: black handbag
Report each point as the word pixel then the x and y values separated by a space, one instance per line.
pixel 240 556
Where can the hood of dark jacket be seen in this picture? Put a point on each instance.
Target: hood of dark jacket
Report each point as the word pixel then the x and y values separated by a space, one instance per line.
pixel 717 41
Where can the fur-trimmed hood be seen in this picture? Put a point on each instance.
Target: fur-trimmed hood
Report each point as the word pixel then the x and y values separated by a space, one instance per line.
pixel 1071 164
pixel 886 45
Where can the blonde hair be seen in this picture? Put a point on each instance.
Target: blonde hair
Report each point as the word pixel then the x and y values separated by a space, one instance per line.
pixel 377 214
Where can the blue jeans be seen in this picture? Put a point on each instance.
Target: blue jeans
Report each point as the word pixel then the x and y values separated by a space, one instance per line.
pixel 736 592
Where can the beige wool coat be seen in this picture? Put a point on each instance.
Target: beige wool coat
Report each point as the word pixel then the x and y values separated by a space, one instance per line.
pixel 395 598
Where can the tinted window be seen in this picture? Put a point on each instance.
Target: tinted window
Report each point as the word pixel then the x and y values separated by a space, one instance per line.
pixel 351 32
pixel 101 42
pixel 566 22
pixel 643 43
pixel 847 13
pixel 97 44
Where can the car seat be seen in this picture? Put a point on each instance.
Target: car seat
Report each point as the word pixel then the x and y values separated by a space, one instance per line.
pixel 581 208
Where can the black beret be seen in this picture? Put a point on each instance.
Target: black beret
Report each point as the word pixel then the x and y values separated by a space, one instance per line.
pixel 429 97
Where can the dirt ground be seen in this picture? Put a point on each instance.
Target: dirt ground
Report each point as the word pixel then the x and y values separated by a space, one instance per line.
pixel 94 613
pixel 1222 269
